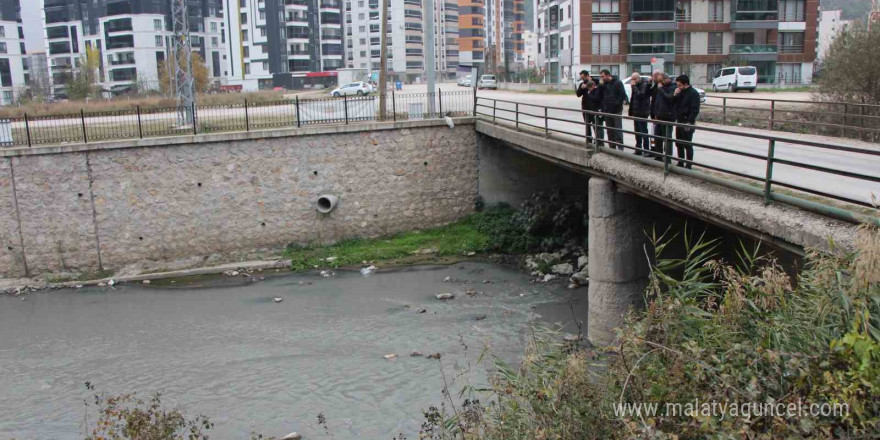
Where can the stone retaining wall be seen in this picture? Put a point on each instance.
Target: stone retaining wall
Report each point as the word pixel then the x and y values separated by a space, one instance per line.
pixel 102 206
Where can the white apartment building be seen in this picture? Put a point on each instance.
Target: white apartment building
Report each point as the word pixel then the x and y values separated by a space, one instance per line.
pixel 557 27
pixel 830 25
pixel 14 68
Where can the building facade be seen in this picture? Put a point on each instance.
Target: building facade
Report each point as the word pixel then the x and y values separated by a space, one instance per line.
pixel 697 37
pixel 14 65
pixel 830 25
pixel 559 38
pixel 131 37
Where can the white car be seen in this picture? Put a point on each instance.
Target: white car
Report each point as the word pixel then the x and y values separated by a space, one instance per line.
pixel 734 79
pixel 465 81
pixel 359 88
pixel 627 85
pixel 487 82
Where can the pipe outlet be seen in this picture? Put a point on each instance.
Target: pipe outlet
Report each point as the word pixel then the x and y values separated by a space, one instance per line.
pixel 326 203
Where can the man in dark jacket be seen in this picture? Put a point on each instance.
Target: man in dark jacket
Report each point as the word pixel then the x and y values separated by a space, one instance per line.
pixel 640 107
pixel 687 107
pixel 662 94
pixel 613 96
pixel 590 99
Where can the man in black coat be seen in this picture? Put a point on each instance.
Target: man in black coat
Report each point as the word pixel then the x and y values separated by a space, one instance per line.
pixel 687 108
pixel 640 107
pixel 590 99
pixel 662 93
pixel 613 96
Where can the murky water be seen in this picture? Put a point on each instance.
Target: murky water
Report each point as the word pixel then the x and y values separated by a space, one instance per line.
pixel 251 364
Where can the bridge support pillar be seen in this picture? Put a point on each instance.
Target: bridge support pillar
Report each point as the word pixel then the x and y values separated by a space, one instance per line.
pixel 618 265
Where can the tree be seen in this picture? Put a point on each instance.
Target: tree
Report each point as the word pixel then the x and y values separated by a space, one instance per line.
pixel 201 80
pixel 81 84
pixel 849 70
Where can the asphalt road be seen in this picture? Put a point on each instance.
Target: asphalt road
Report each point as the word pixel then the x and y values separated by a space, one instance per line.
pixel 852 188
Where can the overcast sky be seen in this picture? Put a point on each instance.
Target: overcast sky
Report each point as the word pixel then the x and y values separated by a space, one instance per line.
pixel 33 25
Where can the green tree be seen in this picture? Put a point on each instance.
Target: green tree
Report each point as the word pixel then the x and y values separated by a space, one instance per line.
pixel 81 84
pixel 849 69
pixel 201 79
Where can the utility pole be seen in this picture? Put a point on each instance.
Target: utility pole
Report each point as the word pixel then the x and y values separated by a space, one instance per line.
pixel 383 60
pixel 181 58
pixel 429 54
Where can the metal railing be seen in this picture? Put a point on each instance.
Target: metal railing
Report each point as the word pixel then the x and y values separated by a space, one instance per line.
pixel 841 119
pixel 776 168
pixel 142 121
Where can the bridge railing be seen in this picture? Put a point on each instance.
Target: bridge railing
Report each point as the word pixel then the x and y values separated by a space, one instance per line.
pixel 143 122
pixel 836 180
pixel 829 118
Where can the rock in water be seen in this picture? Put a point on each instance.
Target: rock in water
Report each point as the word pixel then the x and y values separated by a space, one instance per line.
pixel 278 299
pixel 549 277
pixel 563 269
pixel 145 281
pixel 416 353
pixel 580 278
pixel 445 296
pixel 583 260
pixel 368 270
pixel 292 436
pixel 390 356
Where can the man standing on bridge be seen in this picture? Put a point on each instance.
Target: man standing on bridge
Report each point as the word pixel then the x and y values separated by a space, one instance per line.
pixel 590 99
pixel 639 107
pixel 613 96
pixel 687 107
pixel 662 93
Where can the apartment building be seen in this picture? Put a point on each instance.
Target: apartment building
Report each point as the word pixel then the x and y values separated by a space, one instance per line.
pixel 132 38
pixel 14 67
pixel 559 33
pixel 698 37
pixel 830 25
pixel 472 32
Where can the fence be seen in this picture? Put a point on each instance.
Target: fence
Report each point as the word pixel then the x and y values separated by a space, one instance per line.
pixel 835 180
pixel 142 122
pixel 841 119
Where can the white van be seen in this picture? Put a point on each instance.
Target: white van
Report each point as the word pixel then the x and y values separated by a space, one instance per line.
pixel 736 78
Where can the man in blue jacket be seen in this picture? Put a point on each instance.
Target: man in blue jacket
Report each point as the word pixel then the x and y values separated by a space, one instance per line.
pixel 613 96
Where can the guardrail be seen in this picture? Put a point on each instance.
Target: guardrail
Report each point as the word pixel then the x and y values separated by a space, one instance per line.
pixel 841 119
pixel 779 169
pixel 140 122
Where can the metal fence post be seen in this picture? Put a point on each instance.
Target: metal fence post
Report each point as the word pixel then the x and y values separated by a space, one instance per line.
pixel 393 106
pixel 516 115
pixel 82 116
pixel 247 119
pixel 769 176
pixel 140 127
pixel 845 118
pixel 345 106
pixel 440 99
pixel 27 129
pixel 297 112
pixel 475 102
pixel 772 112
pixel 546 124
pixel 195 124
pixel 724 111
pixel 494 105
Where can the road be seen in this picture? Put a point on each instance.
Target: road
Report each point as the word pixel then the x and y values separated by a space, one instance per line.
pixel 852 188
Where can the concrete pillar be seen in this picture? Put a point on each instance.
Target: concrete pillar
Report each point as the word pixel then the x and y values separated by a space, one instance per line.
pixel 618 264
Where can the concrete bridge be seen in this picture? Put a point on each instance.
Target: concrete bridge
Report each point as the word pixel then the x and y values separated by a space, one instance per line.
pixel 100 206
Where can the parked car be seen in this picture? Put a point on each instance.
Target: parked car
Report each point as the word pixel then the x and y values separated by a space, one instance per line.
pixel 465 81
pixel 734 79
pixel 487 82
pixel 627 85
pixel 356 88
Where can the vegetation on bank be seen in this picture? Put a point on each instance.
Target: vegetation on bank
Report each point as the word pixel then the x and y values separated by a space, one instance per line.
pixel 546 222
pixel 730 333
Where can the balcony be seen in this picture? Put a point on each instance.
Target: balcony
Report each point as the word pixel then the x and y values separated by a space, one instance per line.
pixel 792 48
pixel 682 49
pixel 791 16
pixel 605 17
pixel 745 49
pixel 652 15
pixel 683 17
pixel 331 4
pixel 715 49
pixel 652 49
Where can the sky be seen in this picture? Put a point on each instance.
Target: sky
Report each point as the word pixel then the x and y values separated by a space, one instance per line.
pixel 33 25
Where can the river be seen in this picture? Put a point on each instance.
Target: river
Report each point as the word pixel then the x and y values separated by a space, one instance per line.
pixel 222 347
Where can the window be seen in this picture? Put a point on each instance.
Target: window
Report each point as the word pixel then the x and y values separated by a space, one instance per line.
pixel 2 31
pixel 716 44
pixel 159 42
pixel 266 66
pixel 652 10
pixel 363 54
pixel 683 43
pixel 246 51
pixel 362 29
pixel 606 44
pixel 244 18
pixel 5 73
pixel 716 11
pixel 263 15
pixel 157 24
pixel 7 96
pixel 744 38
pixel 788 73
pixel 712 70
pixel 756 10
pixel 374 28
pixel 262 31
pixel 247 68
pixel 614 68
pixel 605 10
pixel 214 41
pixel 791 10
pixel 652 43
pixel 244 35
pixel 213 26
pixel 791 42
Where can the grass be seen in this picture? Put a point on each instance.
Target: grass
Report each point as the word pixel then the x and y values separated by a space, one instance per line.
pixel 455 239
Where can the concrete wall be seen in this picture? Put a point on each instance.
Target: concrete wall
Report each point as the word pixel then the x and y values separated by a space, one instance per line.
pixel 94 206
pixel 511 176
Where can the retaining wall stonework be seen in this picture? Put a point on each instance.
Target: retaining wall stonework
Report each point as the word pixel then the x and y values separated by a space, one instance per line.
pixel 102 206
